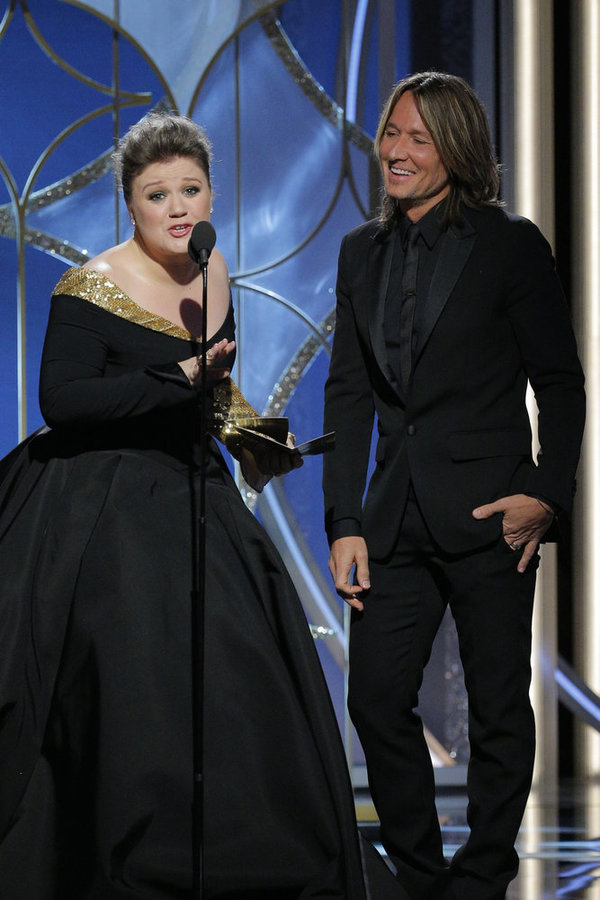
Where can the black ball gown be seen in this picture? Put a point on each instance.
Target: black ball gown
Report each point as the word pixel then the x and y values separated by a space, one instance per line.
pixel 96 561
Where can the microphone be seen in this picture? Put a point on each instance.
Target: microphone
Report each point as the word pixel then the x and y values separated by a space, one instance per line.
pixel 201 242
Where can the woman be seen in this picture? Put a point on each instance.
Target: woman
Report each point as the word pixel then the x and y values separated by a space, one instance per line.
pixel 96 552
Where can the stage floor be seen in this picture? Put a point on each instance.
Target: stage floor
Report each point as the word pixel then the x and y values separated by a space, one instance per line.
pixel 559 842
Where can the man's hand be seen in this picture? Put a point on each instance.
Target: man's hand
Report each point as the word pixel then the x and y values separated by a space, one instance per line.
pixel 346 553
pixel 525 521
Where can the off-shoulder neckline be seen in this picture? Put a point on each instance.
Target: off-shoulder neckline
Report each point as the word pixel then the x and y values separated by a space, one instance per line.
pixel 99 289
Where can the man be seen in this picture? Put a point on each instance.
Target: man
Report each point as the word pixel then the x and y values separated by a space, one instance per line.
pixel 438 332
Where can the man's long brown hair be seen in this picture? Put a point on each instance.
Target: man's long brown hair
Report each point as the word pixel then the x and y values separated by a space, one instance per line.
pixel 456 119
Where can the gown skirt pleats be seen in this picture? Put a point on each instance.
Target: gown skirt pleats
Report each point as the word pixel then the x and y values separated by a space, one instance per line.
pixel 98 568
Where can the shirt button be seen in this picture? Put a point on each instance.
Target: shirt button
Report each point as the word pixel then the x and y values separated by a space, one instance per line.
pixel 411 430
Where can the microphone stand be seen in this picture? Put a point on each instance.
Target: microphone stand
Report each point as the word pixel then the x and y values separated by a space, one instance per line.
pixel 198 621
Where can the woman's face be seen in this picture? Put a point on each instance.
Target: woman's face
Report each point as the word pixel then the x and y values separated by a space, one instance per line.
pixel 167 200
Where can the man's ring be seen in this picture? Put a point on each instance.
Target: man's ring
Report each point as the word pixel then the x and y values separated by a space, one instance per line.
pixel 515 546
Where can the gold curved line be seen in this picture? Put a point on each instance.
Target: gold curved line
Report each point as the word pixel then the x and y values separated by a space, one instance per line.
pixel 64 134
pixel 315 92
pixel 333 113
pixel 283 389
pixel 21 325
pixel 349 171
pixel 321 224
pixel 54 246
pixel 319 97
pixel 292 62
pixel 50 194
pixel 69 69
pixel 70 184
pixel 115 26
pixel 281 300
pixel 292 374
pixel 265 10
pixel 24 234
pixel 6 18
pixel 9 182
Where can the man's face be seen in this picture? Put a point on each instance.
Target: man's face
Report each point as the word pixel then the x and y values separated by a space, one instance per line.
pixel 413 172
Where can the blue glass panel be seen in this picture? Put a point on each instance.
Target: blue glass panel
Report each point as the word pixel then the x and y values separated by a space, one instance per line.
pixel 403 44
pixel 82 40
pixel 308 280
pixel 303 490
pixel 86 219
pixel 215 111
pixel 36 110
pixel 313 27
pixel 299 148
pixel 195 32
pixel 370 104
pixel 42 271
pixel 8 347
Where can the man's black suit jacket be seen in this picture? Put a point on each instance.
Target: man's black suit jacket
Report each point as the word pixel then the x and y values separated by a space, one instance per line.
pixel 494 319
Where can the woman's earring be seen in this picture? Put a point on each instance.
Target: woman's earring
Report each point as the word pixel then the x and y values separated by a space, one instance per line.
pixel 133 221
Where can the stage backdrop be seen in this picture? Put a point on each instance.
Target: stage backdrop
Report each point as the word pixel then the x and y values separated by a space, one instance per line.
pixel 290 95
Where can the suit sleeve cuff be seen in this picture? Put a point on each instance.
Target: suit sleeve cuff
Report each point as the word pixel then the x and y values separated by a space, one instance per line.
pixel 556 510
pixel 344 528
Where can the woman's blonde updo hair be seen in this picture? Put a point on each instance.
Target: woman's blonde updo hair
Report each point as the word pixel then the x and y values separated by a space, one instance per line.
pixel 158 137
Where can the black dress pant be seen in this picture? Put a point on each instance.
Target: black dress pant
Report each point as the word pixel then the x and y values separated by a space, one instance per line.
pixel 390 644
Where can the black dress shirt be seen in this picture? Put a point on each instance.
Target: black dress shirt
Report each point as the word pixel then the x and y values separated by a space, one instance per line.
pixel 428 244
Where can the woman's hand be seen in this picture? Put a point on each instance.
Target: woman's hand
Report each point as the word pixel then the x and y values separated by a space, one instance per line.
pixel 263 461
pixel 215 357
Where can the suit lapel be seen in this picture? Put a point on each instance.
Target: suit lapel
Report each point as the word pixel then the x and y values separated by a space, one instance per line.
pixel 378 275
pixel 457 244
pixel 456 248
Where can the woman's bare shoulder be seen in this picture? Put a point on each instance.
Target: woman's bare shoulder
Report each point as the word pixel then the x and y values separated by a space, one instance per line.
pixel 110 261
pixel 217 263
